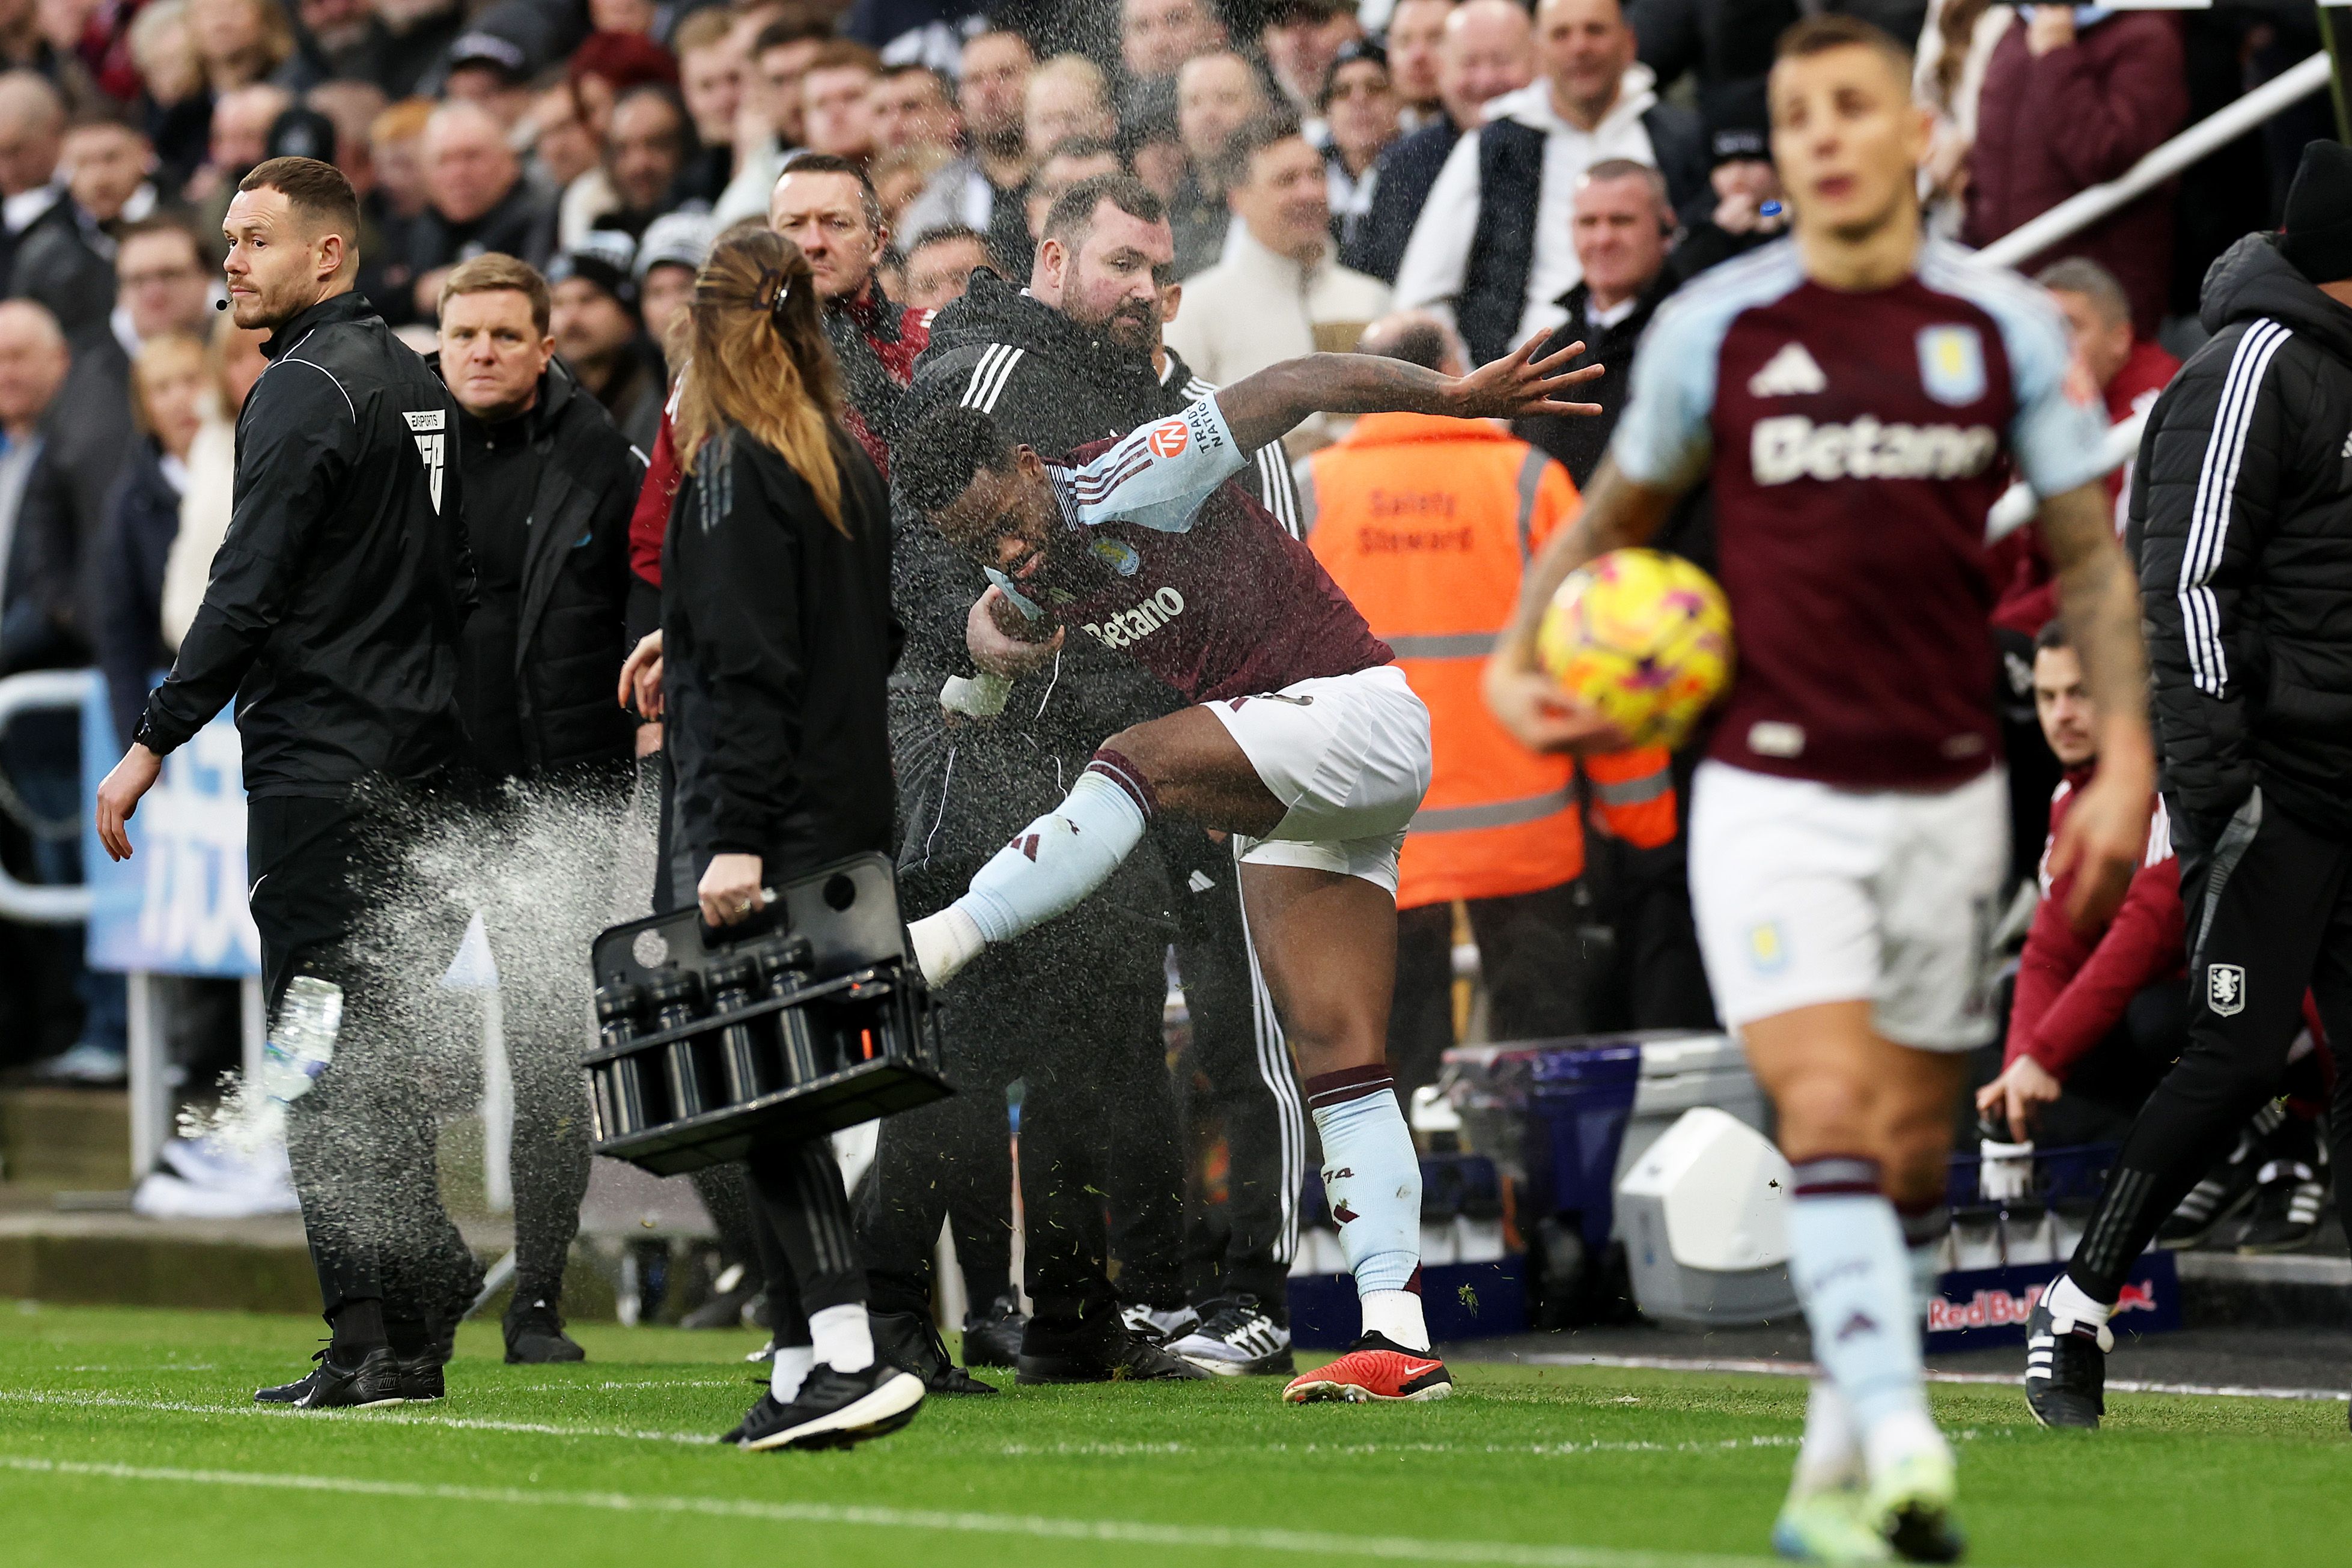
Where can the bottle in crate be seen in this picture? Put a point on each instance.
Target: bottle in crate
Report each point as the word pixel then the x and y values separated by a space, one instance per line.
pixel 782 966
pixel 747 1053
pixel 619 1085
pixel 693 1086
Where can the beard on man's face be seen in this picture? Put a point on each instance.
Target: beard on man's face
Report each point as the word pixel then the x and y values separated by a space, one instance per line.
pixel 1131 326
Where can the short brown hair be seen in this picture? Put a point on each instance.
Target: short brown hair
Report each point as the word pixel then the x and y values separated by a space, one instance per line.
pixel 844 52
pixel 494 270
pixel 1073 214
pixel 316 190
pixel 711 24
pixel 1835 30
pixel 794 27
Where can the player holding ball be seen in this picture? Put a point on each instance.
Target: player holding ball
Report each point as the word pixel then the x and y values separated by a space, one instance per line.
pixel 1851 392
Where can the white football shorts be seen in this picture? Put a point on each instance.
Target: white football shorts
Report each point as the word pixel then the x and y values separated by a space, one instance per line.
pixel 1349 755
pixel 1807 894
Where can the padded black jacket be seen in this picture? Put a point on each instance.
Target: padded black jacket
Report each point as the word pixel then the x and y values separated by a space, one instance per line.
pixel 337 599
pixel 2242 522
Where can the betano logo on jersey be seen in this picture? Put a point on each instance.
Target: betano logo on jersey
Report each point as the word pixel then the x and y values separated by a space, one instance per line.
pixel 1794 448
pixel 1130 626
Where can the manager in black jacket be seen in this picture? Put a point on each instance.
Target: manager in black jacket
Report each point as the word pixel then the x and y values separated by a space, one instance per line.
pixel 548 485
pixel 333 619
pixel 2241 517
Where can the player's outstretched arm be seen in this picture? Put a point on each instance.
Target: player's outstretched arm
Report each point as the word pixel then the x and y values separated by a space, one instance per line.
pixel 1617 513
pixel 2104 835
pixel 1268 406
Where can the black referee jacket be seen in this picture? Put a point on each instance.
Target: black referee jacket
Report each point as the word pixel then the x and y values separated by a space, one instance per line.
pixel 335 604
pixel 2242 522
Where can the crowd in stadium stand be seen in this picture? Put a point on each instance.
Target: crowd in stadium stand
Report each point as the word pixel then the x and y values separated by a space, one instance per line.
pixel 1450 176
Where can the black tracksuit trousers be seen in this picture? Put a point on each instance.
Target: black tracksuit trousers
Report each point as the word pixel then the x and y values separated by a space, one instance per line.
pixel 2269 905
pixel 335 898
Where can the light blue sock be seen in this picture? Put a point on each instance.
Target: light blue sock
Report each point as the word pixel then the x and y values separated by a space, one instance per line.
pixel 1371 1174
pixel 1853 1275
pixel 1053 862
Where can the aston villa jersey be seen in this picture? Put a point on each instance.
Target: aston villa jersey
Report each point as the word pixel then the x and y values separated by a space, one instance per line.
pixel 1855 442
pixel 1162 558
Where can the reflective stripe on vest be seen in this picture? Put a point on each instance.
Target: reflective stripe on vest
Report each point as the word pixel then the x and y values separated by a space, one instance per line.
pixel 1633 791
pixel 1445 646
pixel 1492 814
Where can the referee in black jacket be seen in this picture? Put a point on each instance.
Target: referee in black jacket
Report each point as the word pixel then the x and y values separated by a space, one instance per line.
pixel 333 618
pixel 2241 520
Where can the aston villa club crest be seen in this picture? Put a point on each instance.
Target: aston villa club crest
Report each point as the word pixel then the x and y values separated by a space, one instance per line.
pixel 1952 365
pixel 2225 990
pixel 1117 555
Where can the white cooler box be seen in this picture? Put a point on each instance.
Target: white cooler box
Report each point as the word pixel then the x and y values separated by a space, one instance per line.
pixel 1682 1072
pixel 1704 1214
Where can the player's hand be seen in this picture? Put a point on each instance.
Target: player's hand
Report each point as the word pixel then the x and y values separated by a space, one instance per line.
pixel 641 677
pixel 991 633
pixel 2104 839
pixel 1525 703
pixel 730 890
pixel 118 797
pixel 1519 384
pixel 2018 1095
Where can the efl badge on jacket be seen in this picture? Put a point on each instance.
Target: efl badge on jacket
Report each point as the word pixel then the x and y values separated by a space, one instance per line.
pixel 430 428
pixel 2225 990
pixel 1951 364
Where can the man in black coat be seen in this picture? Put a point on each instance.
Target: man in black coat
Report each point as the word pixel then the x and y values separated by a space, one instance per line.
pixel 476 201
pixel 2240 521
pixel 333 619
pixel 548 485
pixel 1067 361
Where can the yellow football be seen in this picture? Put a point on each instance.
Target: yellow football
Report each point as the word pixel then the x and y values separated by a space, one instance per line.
pixel 1642 637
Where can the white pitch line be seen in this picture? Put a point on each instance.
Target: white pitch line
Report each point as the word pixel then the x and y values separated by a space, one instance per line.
pixel 1567 1448
pixel 1035 1527
pixel 370 1418
pixel 1984 1379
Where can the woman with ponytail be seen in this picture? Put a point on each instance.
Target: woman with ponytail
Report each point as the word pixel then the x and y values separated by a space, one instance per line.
pixel 778 641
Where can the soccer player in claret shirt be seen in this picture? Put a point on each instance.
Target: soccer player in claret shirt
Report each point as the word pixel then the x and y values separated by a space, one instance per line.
pixel 1851 394
pixel 1305 742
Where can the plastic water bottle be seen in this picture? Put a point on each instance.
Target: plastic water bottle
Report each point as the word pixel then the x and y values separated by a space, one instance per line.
pixel 303 1043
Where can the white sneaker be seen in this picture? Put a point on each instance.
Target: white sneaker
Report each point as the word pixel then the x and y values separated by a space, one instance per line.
pixel 1237 1339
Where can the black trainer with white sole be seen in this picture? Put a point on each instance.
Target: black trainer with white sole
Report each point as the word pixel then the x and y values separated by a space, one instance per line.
pixel 835 1409
pixel 330 1386
pixel 2288 1202
pixel 2066 1370
pixel 1159 1325
pixel 1238 1338
pixel 1118 1358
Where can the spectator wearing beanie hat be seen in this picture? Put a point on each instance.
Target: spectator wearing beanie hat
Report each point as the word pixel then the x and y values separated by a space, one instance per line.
pixel 1750 207
pixel 600 334
pixel 667 259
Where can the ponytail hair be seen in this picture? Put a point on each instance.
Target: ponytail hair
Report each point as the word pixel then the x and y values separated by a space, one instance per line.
pixel 760 359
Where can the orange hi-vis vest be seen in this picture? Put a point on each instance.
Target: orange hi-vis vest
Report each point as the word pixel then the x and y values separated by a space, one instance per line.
pixel 1427 523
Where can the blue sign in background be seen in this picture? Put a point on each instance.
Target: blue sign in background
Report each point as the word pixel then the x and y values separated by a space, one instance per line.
pixel 178 905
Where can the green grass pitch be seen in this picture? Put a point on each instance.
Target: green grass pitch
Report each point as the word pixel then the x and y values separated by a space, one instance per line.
pixel 128 1439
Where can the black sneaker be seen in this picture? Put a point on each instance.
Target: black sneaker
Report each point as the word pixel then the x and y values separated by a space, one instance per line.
pixel 992 1338
pixel 421 1379
pixel 535 1337
pixel 2228 1187
pixel 1097 1357
pixel 2066 1370
pixel 2288 1195
pixel 1159 1325
pixel 761 1416
pixel 328 1387
pixel 1238 1338
pixel 908 1342
pixel 834 1410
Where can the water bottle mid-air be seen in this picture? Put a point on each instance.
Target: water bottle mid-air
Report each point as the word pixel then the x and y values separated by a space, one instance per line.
pixel 303 1042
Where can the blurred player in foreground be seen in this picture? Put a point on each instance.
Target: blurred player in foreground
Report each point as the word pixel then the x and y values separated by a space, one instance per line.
pixel 1850 394
pixel 1304 740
